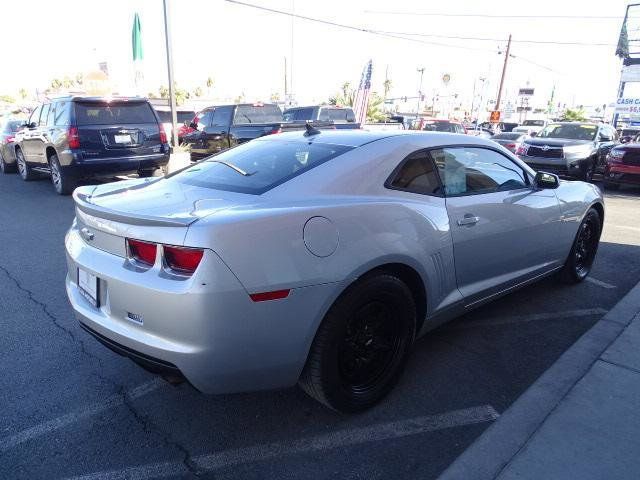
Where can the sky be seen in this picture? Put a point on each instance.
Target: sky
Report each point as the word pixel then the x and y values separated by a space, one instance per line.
pixel 244 49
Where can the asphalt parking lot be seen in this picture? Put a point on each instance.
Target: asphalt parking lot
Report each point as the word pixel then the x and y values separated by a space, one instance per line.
pixel 71 408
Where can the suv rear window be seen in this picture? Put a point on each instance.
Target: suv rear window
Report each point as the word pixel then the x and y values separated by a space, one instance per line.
pixel 337 115
pixel 258 114
pixel 120 113
pixel 267 163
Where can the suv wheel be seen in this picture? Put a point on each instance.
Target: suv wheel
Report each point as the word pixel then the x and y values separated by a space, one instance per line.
pixel 5 167
pixel 588 170
pixel 583 251
pixel 362 344
pixel 63 183
pixel 25 171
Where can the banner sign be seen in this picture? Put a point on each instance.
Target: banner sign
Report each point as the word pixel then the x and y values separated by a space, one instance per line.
pixel 628 105
pixel 630 73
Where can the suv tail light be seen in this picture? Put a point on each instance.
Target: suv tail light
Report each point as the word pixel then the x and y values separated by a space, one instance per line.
pixel 182 259
pixel 275 131
pixel 163 134
pixel 142 252
pixel 73 137
pixel 510 145
pixel 10 139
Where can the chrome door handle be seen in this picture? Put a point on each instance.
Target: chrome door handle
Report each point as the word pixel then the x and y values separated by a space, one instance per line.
pixel 468 220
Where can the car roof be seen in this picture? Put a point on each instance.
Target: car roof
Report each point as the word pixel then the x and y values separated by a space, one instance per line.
pixel 83 98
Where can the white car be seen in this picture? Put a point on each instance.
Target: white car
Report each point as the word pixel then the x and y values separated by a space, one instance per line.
pixel 531 127
pixel 317 258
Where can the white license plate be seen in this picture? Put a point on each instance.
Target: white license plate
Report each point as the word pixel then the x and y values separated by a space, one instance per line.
pixel 88 286
pixel 122 138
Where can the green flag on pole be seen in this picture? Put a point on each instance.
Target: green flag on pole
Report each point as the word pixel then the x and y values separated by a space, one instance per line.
pixel 622 50
pixel 136 44
pixel 136 39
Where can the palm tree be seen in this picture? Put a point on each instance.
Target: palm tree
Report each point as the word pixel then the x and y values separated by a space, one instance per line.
pixel 23 93
pixel 386 85
pixel 67 83
pixel 56 83
pixel 79 79
pixel 209 85
pixel 197 91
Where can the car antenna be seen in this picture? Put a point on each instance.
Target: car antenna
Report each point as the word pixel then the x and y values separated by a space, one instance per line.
pixel 311 130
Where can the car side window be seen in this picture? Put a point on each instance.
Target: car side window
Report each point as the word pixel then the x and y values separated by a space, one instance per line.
pixel 204 119
pixel 222 116
pixel 61 117
pixel 35 115
pixel 43 115
pixel 416 174
pixel 51 116
pixel 474 170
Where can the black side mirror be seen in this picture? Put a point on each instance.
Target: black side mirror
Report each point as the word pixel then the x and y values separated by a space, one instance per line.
pixel 533 134
pixel 31 125
pixel 193 125
pixel 544 180
pixel 625 139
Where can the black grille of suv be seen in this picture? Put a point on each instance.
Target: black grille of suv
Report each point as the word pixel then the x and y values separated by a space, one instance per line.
pixel 544 152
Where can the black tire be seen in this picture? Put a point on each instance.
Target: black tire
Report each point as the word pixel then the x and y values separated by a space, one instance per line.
pixel 586 174
pixel 362 345
pixel 26 172
pixel 584 249
pixel 146 173
pixel 63 183
pixel 611 186
pixel 6 168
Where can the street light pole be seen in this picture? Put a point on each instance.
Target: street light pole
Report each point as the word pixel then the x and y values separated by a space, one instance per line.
pixel 172 97
pixel 421 70
pixel 504 72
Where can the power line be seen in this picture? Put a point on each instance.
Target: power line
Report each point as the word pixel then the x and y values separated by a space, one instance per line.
pixel 397 36
pixel 486 15
pixel 543 42
pixel 351 27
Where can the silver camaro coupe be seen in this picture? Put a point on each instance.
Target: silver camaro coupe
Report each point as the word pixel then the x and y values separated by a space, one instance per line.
pixel 317 258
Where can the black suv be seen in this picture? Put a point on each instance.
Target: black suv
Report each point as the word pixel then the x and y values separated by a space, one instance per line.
pixel 73 138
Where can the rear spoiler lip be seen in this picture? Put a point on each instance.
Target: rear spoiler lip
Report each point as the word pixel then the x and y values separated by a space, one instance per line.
pixel 82 203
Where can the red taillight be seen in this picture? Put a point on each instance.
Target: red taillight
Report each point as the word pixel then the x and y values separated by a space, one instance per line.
pixel 73 137
pixel 183 260
pixel 10 138
pixel 265 296
pixel 143 252
pixel 522 149
pixel 163 134
pixel 275 131
pixel 510 145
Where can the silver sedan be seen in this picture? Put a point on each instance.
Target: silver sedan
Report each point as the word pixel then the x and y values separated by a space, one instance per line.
pixel 317 258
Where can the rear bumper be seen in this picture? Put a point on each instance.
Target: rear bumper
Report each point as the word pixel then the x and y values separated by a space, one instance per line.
pixel 111 165
pixel 206 327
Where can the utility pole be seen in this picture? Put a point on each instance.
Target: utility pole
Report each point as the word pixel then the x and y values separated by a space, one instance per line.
pixel 172 96
pixel 285 79
pixel 504 72
pixel 421 70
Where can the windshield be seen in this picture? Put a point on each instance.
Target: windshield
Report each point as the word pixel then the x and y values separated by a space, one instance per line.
pixel 629 132
pixel 120 113
pixel 258 114
pixel 440 127
pixel 533 123
pixel 572 131
pixel 267 164
pixel 506 136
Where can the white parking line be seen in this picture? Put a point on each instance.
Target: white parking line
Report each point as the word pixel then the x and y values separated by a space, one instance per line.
pixel 528 318
pixel 69 418
pixel 328 441
pixel 600 283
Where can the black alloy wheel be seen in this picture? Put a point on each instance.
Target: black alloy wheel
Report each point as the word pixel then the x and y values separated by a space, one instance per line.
pixel 584 249
pixel 362 345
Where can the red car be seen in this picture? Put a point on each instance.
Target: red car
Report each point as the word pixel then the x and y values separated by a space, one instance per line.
pixel 623 165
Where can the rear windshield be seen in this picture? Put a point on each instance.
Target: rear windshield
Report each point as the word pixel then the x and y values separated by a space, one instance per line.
pixel 267 163
pixel 258 114
pixel 533 123
pixel 165 117
pixel 337 115
pixel 440 127
pixel 506 136
pixel 91 113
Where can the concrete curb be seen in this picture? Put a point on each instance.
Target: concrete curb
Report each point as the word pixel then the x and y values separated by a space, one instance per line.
pixel 494 449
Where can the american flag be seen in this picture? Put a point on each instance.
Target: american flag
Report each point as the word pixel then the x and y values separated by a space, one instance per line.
pixel 361 102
